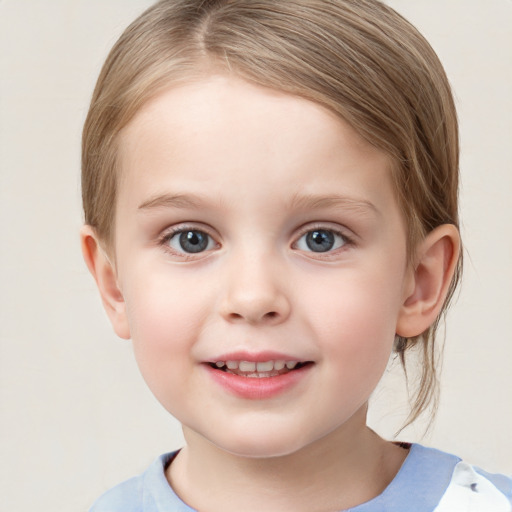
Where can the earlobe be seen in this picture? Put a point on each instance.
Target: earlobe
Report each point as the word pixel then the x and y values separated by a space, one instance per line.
pixel 436 261
pixel 104 274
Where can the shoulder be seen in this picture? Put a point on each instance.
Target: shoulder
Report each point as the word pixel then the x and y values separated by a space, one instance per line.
pixel 434 481
pixel 125 497
pixel 142 493
pixel 473 489
pixel 455 485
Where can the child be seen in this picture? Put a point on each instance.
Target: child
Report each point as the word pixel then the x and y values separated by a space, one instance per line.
pixel 270 196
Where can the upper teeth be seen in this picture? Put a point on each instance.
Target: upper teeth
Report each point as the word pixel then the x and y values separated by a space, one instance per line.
pixel 251 366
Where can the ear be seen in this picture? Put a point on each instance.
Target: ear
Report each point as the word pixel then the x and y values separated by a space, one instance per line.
pixel 104 274
pixel 429 281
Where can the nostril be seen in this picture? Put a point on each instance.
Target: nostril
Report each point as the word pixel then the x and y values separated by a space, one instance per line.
pixel 269 317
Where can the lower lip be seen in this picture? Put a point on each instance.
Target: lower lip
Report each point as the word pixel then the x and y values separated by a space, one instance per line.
pixel 258 388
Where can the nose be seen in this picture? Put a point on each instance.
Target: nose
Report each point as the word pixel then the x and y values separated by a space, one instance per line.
pixel 254 292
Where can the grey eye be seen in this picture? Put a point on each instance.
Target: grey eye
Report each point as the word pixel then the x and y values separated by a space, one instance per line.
pixel 191 241
pixel 320 240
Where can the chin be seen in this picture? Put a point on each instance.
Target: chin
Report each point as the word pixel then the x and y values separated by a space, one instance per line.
pixel 259 452
pixel 263 443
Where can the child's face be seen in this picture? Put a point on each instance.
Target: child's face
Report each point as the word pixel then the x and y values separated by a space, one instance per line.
pixel 256 226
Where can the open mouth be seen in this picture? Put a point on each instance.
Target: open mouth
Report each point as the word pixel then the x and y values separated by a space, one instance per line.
pixel 252 369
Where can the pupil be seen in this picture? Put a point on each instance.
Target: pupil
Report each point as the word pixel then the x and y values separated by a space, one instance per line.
pixel 320 241
pixel 193 241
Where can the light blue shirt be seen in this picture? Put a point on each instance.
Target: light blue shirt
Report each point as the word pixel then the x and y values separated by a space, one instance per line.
pixel 428 481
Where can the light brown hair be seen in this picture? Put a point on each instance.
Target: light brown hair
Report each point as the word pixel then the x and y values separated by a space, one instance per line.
pixel 358 58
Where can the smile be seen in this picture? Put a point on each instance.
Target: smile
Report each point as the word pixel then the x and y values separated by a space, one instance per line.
pixel 260 369
pixel 258 380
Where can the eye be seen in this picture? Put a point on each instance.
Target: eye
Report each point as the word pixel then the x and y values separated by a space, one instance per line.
pixel 190 241
pixel 321 240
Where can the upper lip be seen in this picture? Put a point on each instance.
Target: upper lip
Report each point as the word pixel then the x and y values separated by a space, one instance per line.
pixel 256 357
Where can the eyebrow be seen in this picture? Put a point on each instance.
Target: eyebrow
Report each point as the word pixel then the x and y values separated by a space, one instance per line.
pixel 171 201
pixel 313 202
pixel 298 202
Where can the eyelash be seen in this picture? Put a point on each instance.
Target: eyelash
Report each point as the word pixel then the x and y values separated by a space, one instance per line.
pixel 348 241
pixel 170 234
pixel 173 232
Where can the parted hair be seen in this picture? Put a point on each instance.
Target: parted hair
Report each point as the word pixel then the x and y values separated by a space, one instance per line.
pixel 358 58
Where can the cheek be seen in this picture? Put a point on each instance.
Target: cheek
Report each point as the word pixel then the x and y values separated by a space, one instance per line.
pixel 161 307
pixel 164 326
pixel 356 307
pixel 355 321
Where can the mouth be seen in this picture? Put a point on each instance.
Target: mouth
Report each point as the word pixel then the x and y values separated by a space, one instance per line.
pixel 260 369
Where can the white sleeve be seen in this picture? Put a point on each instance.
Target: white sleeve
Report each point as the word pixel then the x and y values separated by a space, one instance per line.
pixel 469 491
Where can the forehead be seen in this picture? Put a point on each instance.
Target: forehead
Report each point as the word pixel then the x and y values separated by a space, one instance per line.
pixel 205 134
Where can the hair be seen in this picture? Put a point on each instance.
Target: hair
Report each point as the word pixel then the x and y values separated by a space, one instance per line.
pixel 358 58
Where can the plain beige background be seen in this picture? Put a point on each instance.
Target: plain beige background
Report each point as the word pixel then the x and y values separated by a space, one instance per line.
pixel 76 417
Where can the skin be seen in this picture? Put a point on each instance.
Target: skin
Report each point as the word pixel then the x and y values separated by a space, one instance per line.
pixel 256 170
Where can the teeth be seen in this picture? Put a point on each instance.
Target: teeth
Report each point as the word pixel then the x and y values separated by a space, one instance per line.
pixel 246 366
pixel 260 367
pixel 268 366
pixel 279 365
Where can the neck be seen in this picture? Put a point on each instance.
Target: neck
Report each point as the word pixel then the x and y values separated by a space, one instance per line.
pixel 348 467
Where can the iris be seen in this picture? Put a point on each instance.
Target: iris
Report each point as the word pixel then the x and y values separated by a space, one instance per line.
pixel 193 241
pixel 320 240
